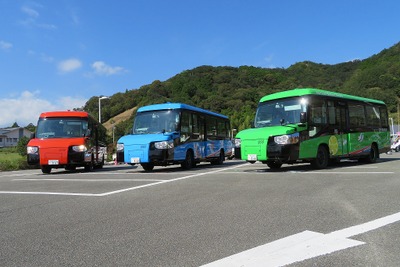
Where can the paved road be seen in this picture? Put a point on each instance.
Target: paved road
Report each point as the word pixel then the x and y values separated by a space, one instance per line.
pixel 237 213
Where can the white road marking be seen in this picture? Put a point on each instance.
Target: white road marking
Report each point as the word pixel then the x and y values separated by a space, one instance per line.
pixel 49 193
pixel 5 174
pixel 171 180
pixel 308 172
pixel 361 167
pixel 121 190
pixel 328 172
pixel 90 180
pixel 302 246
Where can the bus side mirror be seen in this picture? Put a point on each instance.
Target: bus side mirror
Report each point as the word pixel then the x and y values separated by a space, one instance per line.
pixel 303 117
pixel 88 133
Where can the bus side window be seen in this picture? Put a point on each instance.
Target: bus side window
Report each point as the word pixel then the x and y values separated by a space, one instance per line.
pixel 211 128
pixel 384 117
pixel 356 116
pixel 222 131
pixel 331 113
pixel 195 128
pixel 373 117
pixel 318 116
pixel 185 127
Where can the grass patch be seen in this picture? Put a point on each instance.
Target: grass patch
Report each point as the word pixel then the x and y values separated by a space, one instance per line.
pixel 11 160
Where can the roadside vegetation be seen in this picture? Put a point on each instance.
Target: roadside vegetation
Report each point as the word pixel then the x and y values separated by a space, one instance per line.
pixel 14 158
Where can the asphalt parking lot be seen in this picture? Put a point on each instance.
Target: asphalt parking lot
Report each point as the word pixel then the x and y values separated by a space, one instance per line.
pixel 217 215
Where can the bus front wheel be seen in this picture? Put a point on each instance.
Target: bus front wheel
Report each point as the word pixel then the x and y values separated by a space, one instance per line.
pixel 274 165
pixel 189 160
pixel 147 166
pixel 46 169
pixel 322 159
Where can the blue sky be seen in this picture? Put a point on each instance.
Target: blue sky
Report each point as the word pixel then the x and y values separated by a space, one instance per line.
pixel 56 54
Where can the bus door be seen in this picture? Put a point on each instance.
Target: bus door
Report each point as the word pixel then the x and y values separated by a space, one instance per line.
pixel 338 143
pixel 202 136
pixel 211 137
pixel 198 135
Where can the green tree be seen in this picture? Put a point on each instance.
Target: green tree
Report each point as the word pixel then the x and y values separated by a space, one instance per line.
pixel 21 145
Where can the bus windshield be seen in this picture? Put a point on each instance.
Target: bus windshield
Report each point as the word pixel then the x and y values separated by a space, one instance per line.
pixel 279 112
pixel 158 121
pixel 61 128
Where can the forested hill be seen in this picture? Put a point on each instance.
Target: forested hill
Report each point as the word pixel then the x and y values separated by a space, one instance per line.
pixel 235 91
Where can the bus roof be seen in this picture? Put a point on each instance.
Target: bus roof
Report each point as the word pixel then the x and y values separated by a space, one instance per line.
pixel 179 106
pixel 314 91
pixel 66 113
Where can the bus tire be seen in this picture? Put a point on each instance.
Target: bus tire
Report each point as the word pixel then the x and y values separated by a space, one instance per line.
pixel 187 164
pixel 90 166
pixel 70 168
pixel 46 169
pixel 147 166
pixel 322 159
pixel 100 164
pixel 373 154
pixel 274 165
pixel 220 160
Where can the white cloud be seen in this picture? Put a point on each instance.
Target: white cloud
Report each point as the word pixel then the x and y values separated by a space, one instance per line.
pixel 69 65
pixel 26 108
pixel 101 68
pixel 5 45
pixel 68 102
pixel 30 12
pixel 32 18
pixel 42 56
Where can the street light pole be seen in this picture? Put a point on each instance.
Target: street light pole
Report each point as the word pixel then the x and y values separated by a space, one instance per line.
pixel 100 98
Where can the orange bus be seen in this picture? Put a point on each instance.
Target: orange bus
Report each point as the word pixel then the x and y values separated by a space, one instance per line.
pixel 67 139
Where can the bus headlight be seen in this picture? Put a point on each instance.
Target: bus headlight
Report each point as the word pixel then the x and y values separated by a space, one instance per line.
pixel 287 139
pixel 80 148
pixel 164 145
pixel 32 150
pixel 238 142
pixel 120 147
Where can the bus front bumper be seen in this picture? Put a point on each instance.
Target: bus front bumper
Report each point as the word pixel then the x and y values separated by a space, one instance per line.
pixel 283 153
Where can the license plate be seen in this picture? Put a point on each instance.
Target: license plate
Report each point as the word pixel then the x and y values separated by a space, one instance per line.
pixel 53 162
pixel 135 160
pixel 252 157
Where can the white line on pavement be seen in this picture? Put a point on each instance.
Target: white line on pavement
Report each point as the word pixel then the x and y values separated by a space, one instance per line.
pixel 121 190
pixel 90 180
pixel 302 246
pixel 307 172
pixel 171 180
pixel 48 193
pixel 328 172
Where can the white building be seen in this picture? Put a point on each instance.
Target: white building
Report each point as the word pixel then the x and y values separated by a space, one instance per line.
pixel 9 137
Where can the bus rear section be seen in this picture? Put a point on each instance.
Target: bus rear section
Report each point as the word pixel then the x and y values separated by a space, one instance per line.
pixel 176 133
pixel 67 139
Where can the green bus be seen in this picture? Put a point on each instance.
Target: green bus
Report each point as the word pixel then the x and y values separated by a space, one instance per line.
pixel 314 126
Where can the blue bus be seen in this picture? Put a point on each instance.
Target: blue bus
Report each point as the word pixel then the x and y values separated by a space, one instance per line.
pixel 176 133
